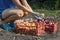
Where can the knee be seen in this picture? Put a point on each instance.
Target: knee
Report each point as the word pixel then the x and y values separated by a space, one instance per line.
pixel 20 14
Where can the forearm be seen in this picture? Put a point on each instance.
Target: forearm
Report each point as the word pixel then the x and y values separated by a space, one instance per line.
pixel 26 4
pixel 19 5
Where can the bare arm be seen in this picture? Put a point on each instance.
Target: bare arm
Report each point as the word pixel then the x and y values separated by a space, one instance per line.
pixel 19 5
pixel 26 4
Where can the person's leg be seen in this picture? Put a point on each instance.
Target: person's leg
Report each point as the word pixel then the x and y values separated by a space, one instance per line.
pixel 9 19
pixel 8 12
pixel 10 15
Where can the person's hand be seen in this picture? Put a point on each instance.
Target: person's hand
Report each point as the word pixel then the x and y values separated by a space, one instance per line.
pixel 38 15
pixel 30 12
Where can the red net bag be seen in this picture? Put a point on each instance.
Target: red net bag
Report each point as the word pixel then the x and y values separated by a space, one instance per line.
pixel 36 27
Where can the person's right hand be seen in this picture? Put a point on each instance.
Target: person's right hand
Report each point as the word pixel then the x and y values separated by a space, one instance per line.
pixel 38 15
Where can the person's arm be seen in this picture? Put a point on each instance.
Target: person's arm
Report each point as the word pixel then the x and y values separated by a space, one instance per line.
pixel 25 3
pixel 19 5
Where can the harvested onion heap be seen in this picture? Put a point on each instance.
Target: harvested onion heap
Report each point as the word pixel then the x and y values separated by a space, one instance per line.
pixel 25 24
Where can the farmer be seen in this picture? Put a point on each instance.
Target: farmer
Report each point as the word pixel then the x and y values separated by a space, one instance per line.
pixel 13 9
